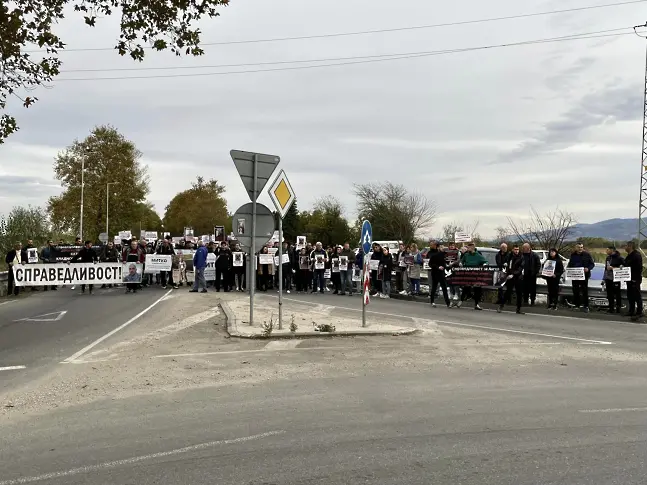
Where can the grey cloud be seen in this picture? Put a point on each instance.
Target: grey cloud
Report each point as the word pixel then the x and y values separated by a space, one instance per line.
pixel 600 108
pixel 564 80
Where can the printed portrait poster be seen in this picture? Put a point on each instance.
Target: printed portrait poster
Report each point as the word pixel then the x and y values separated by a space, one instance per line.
pixel 549 268
pixel 343 263
pixel 408 260
pixel 304 262
pixel 335 265
pixel 320 262
pixel 219 233
pixel 240 227
pixel 32 255
pixel 238 259
pixel 357 274
pixel 132 272
pixel 425 264
pixel 327 274
pixel 301 242
pixel 188 234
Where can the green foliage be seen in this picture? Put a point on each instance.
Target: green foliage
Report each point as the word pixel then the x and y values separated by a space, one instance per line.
pixel 326 223
pixel 201 207
pixel 170 24
pixel 292 224
pixel 21 224
pixel 108 157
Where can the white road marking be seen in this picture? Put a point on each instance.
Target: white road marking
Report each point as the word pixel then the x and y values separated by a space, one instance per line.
pixel 198 354
pixel 13 367
pixel 576 339
pixel 281 345
pixel 137 459
pixel 39 318
pixel 111 333
pixel 611 410
pixel 7 302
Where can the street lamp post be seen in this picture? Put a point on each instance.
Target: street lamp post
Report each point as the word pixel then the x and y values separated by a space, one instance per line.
pixel 82 185
pixel 108 207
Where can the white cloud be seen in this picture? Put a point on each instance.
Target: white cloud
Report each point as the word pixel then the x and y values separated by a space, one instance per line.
pixel 487 133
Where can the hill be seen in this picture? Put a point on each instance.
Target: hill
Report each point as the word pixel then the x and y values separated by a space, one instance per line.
pixel 612 229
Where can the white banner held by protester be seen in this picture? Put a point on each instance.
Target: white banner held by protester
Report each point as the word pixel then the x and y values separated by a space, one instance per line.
pixel 265 259
pixel 238 259
pixel 67 274
pixel 343 263
pixel 158 262
pixel 621 275
pixel 575 274
pixel 462 237
pixel 357 274
pixel 301 242
pixel 210 270
pixel 32 255
pixel 549 268
pixel 125 235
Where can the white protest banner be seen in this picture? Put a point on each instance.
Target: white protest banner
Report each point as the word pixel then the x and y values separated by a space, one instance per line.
pixel 158 262
pixel 272 251
pixel 150 236
pixel 374 264
pixel 166 234
pixel 205 238
pixel 210 270
pixel 549 268
pixel 116 241
pixel 462 237
pixel 265 259
pixel 238 259
pixel 335 265
pixel 621 275
pixel 425 264
pixel 343 263
pixel 67 274
pixel 276 260
pixel 124 235
pixel 32 255
pixel 285 258
pixel 301 242
pixel 132 272
pixel 188 234
pixel 327 274
pixel 357 274
pixel 320 263
pixel 575 274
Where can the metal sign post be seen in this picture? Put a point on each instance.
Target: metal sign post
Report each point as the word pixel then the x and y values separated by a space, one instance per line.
pixel 255 170
pixel 366 241
pixel 283 197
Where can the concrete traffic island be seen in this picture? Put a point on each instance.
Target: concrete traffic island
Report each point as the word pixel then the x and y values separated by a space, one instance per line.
pixel 300 320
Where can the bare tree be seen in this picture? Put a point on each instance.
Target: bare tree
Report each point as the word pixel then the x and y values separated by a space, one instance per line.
pixel 394 212
pixel 551 230
pixel 450 230
pixel 502 235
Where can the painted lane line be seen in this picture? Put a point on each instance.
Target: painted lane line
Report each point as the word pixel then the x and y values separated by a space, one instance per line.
pixel 611 410
pixel 7 302
pixel 13 367
pixel 137 459
pixel 39 318
pixel 521 332
pixel 111 333
pixel 263 350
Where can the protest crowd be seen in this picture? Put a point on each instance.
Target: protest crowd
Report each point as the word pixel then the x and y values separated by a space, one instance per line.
pixel 217 262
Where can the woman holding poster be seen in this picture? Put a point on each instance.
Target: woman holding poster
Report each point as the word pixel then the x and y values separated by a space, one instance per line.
pixel 552 272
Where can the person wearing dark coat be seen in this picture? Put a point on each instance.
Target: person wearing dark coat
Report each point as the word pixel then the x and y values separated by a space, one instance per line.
pixel 552 282
pixel 581 259
pixel 635 262
pixel 387 272
pixel 375 283
pixel 502 260
pixel 224 262
pixel 86 255
pixel 531 270
pixel 514 280
pixel 613 261
pixel 437 267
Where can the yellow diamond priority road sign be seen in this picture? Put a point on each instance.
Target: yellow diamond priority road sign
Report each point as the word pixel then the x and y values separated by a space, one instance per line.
pixel 282 194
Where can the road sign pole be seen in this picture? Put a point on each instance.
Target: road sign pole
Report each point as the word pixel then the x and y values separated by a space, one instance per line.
pixel 280 273
pixel 252 279
pixel 364 269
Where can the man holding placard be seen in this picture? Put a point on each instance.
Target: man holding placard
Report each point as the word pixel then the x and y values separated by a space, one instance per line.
pixel 634 261
pixel 613 261
pixel 581 259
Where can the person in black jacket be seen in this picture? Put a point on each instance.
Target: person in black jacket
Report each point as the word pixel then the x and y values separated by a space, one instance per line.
pixel 437 266
pixel 552 282
pixel 634 261
pixel 613 261
pixel 581 259
pixel 109 255
pixel 531 269
pixel 376 256
pixel 224 262
pixel 86 255
pixel 502 260
pixel 387 270
pixel 166 248
pixel 514 280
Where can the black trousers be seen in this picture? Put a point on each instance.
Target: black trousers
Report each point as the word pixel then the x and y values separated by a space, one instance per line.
pixel 318 280
pixel 472 291
pixel 613 295
pixel 438 278
pixel 375 283
pixel 553 291
pixel 581 293
pixel 11 284
pixel 222 278
pixel 516 285
pixel 529 289
pixel 167 274
pixel 634 298
pixel 90 286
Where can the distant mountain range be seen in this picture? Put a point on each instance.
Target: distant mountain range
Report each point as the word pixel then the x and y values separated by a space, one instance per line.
pixel 612 229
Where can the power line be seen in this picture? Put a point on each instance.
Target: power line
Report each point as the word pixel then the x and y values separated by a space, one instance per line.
pixel 379 31
pixel 363 60
pixel 299 61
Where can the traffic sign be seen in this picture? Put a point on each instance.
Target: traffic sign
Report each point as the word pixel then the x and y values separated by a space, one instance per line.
pixel 281 194
pixel 367 236
pixel 103 237
pixel 242 226
pixel 245 162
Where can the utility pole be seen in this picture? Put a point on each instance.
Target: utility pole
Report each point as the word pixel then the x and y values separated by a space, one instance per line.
pixel 642 204
pixel 108 208
pixel 82 186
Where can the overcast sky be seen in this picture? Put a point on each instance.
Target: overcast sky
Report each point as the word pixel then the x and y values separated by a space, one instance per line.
pixel 485 133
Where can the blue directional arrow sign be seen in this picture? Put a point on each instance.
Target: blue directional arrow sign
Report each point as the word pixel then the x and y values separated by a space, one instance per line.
pixel 367 236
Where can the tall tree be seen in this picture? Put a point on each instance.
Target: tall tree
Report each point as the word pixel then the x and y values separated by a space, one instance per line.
pixel 326 223
pixel 105 157
pixel 554 229
pixel 149 219
pixel 170 24
pixel 292 225
pixel 21 224
pixel 201 207
pixel 394 212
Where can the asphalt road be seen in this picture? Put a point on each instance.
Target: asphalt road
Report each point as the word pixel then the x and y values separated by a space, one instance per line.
pixel 570 426
pixel 38 344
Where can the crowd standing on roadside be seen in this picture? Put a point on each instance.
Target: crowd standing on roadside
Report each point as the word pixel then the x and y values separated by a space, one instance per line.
pixel 317 270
